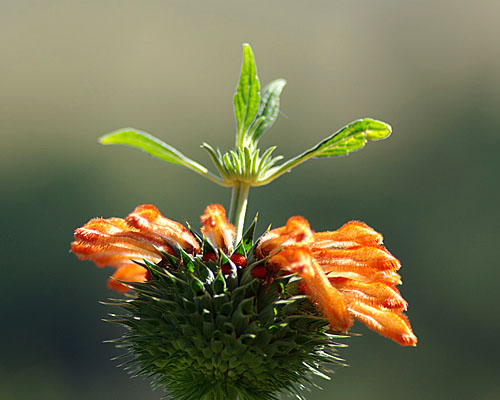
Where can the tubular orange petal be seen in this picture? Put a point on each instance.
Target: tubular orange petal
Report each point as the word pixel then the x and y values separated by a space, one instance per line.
pixel 296 232
pixel 351 234
pixel 112 256
pixel 116 231
pixel 389 323
pixel 97 227
pixel 117 243
pixel 359 273
pixel 376 293
pixel 316 286
pixel 128 273
pixel 217 228
pixel 147 218
pixel 111 242
pixel 83 249
pixel 369 257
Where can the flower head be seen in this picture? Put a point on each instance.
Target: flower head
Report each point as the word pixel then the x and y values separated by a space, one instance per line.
pixel 347 273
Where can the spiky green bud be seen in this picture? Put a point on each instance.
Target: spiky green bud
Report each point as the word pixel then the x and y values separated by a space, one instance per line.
pixel 199 333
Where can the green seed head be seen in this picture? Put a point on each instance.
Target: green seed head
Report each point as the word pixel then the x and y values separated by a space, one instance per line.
pixel 201 331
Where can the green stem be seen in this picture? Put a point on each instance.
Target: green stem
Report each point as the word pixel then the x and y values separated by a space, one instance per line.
pixel 285 167
pixel 239 202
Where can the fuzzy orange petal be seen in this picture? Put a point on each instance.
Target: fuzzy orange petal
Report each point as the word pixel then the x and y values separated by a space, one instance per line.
pixel 112 256
pixel 377 293
pixel 362 274
pixel 296 232
pixel 366 257
pixel 128 273
pixel 112 242
pixel 147 218
pixel 217 228
pixel 351 234
pixel 388 323
pixel 116 230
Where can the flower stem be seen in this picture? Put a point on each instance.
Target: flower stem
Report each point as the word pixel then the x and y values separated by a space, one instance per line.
pixel 239 202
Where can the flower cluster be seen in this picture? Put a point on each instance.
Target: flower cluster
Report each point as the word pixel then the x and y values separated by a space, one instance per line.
pixel 121 243
pixel 347 273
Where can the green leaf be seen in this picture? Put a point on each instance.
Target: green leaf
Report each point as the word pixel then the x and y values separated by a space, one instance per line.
pixel 350 138
pixel 269 107
pixel 146 142
pixel 247 96
pixel 157 148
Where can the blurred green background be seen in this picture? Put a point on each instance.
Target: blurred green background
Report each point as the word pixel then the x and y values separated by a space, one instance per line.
pixel 73 70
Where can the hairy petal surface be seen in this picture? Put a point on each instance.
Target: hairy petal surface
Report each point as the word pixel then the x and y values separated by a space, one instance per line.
pixel 117 231
pixel 296 232
pixel 366 257
pixel 217 228
pixel 117 243
pixel 376 293
pixel 112 242
pixel 389 323
pixel 351 234
pixel 360 273
pixel 147 218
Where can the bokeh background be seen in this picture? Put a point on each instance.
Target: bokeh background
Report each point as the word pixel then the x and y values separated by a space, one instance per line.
pixel 73 70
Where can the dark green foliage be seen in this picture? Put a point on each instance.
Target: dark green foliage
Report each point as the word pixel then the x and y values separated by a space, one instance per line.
pixel 200 334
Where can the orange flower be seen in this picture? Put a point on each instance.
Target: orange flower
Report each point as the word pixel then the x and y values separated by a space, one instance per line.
pixel 117 243
pixel 347 273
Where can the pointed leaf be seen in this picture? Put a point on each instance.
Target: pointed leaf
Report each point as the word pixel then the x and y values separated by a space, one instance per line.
pixel 146 142
pixel 269 106
pixel 247 96
pixel 156 148
pixel 350 138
